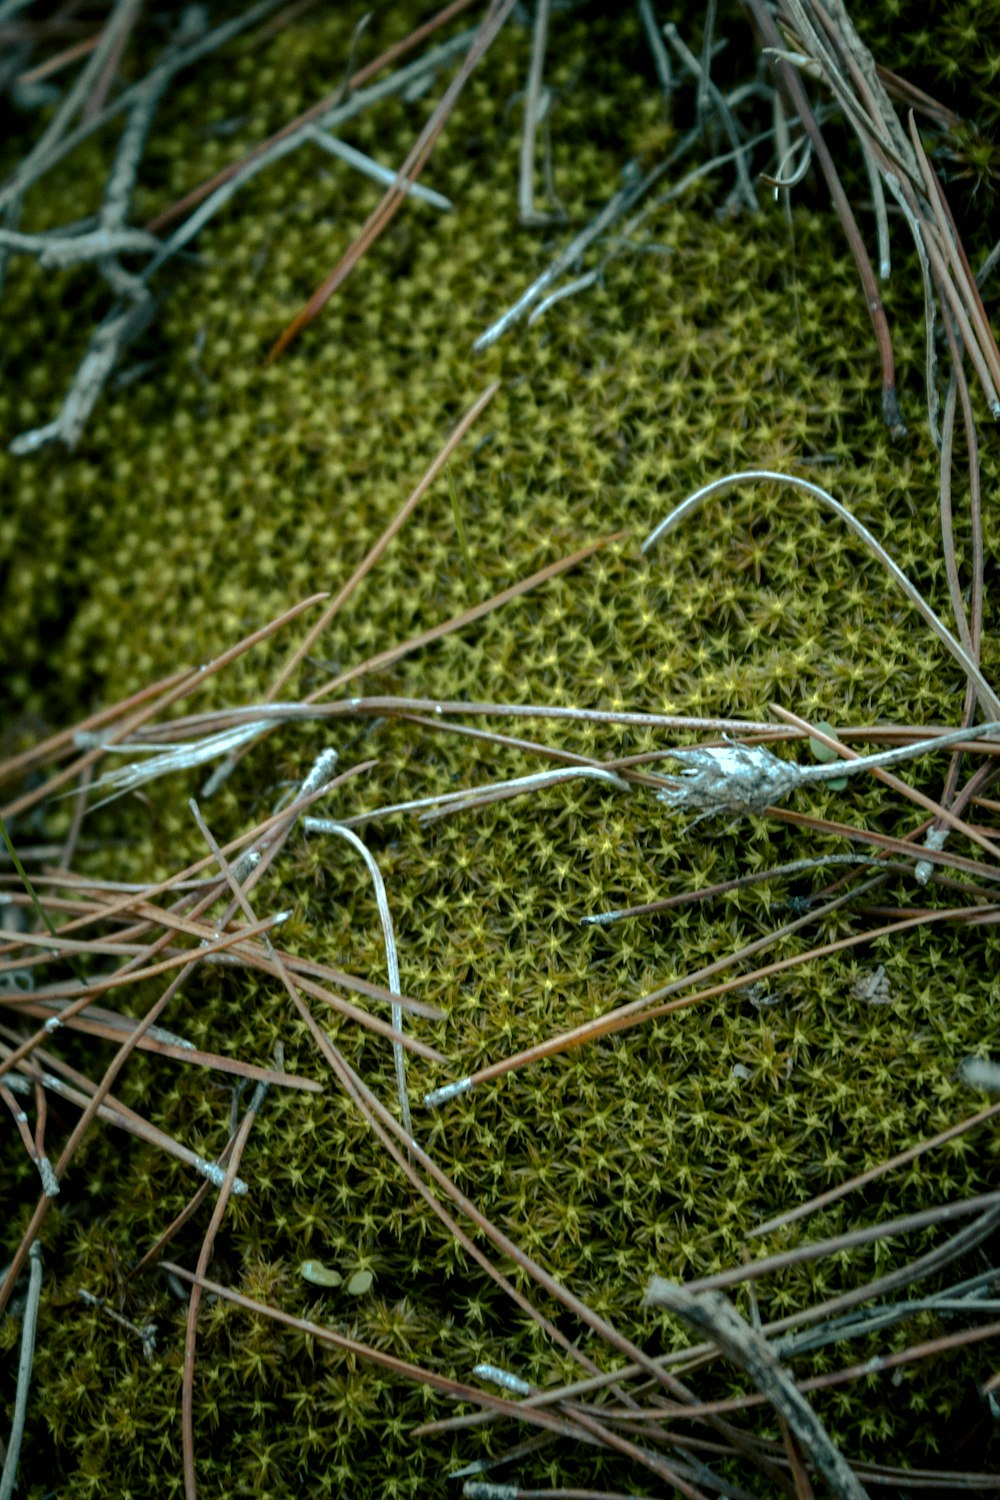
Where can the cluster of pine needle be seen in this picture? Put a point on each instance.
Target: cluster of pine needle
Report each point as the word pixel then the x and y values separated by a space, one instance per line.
pixel 497 972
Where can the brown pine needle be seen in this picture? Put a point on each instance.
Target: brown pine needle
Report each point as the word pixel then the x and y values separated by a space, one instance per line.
pixel 644 1010
pixel 396 196
pixel 191 1335
pixel 392 530
pixel 823 1200
pixel 175 689
pixel 198 194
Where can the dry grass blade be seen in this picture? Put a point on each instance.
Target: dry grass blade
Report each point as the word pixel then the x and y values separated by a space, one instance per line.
pixel 322 1335
pixel 111 1110
pixel 391 960
pixel 827 38
pixel 375 552
pixel 59 60
pixel 187 1213
pixel 986 694
pixel 904 846
pixel 788 80
pixel 767 1265
pixel 88 1115
pixel 458 622
pixel 644 1413
pixel 384 1124
pixel 877 763
pixel 644 1010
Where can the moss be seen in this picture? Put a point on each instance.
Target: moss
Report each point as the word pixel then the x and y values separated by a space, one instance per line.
pixel 210 493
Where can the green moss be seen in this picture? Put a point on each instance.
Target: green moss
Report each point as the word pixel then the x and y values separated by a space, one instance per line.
pixel 211 493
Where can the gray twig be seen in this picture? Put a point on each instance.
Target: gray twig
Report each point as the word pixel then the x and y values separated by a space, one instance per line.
pixel 59 252
pixel 358 102
pixel 28 1327
pixel 661 57
pixel 134 310
pixel 725 113
pixel 373 169
pixel 619 203
pixel 969 1296
pixel 713 1315
pixel 535 104
pixel 39 158
pixel 118 191
pixel 113 335
pixel 705 77
pixel 40 161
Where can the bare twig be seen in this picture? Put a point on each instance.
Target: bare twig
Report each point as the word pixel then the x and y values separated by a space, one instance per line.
pixel 535 105
pixel 28 1326
pixel 712 1314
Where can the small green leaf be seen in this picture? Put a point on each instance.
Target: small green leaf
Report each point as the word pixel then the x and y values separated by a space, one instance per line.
pixel 825 755
pixel 318 1274
pixel 360 1283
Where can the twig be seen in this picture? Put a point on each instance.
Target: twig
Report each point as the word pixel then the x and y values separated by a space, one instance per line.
pixel 705 65
pixel 384 1123
pixel 315 112
pixel 943 1214
pixel 59 252
pixel 289 141
pixel 379 1357
pixel 373 169
pixel 711 1314
pixel 478 796
pixel 722 888
pixel 102 84
pixel 661 57
pixel 40 161
pixel 29 1324
pixel 709 90
pixel 632 189
pixel 535 104
pixel 144 1332
pixel 113 1112
pixel 186 1213
pixel 43 154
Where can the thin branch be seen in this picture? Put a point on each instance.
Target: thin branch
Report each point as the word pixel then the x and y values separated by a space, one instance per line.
pixel 28 1326
pixel 710 1313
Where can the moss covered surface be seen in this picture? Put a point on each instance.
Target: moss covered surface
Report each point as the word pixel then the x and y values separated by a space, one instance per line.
pixel 211 492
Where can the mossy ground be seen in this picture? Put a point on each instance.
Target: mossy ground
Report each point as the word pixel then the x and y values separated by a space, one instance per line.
pixel 211 492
